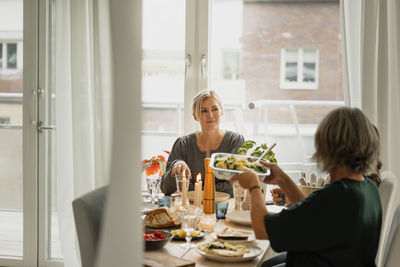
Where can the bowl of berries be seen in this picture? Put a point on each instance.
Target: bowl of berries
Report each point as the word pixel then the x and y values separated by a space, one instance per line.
pixel 156 239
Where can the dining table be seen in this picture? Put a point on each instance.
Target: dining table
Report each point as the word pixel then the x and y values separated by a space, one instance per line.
pixel 173 254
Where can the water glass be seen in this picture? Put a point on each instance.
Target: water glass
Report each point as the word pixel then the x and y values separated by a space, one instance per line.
pixel 189 218
pixel 240 195
pixel 153 185
pixel 179 183
pixel 164 201
pixel 221 207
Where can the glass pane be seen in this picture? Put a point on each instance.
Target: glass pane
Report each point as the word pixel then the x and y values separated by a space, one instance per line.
pixel 163 69
pixel 11 194
pixel 308 72
pixel 12 56
pixel 309 55
pixel 260 31
pixel 291 72
pixel 291 55
pixel 53 248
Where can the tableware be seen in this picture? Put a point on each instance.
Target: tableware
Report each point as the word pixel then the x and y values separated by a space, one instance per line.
pixel 254 252
pixel 189 218
pixel 221 207
pixel 219 196
pixel 179 183
pixel 153 185
pixel 159 243
pixel 208 222
pixel 164 201
pixel 265 153
pixel 239 217
pixel 199 236
pixel 226 174
pixel 248 240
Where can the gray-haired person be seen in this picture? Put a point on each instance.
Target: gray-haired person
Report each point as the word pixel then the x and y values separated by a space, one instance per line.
pixel 338 225
pixel 189 151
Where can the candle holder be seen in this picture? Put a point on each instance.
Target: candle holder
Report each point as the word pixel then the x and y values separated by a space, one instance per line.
pixel 208 222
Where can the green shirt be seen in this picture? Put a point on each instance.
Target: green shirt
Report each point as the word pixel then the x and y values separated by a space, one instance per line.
pixel 338 225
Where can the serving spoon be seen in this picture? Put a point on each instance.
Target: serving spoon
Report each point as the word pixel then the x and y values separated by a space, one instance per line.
pixel 265 153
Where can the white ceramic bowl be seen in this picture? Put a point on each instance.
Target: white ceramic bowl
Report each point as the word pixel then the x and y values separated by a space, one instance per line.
pixel 225 174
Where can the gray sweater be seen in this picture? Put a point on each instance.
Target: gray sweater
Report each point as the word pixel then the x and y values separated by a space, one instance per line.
pixel 185 148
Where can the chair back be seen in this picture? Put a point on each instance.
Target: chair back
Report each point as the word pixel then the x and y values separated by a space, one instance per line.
pixel 88 214
pixel 391 257
pixel 389 195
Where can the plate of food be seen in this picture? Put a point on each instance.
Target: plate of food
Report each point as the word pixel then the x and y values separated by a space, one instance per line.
pixel 227 252
pixel 239 217
pixel 219 196
pixel 180 234
pixel 233 236
pixel 226 165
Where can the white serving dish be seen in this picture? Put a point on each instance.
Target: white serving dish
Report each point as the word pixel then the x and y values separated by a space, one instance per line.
pixel 225 174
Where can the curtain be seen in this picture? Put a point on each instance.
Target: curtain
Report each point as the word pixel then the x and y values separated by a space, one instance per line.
pixel 371 42
pixel 82 85
pixel 121 237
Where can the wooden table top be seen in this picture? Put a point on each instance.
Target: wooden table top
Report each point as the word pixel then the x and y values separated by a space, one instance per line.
pixel 174 248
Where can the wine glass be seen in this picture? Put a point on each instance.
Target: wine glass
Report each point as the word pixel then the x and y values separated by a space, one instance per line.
pixel 189 217
pixel 153 185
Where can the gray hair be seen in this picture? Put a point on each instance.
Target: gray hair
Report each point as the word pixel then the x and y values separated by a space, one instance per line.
pixel 198 101
pixel 345 137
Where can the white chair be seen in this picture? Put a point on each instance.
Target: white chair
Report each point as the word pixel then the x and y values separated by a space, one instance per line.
pixel 391 257
pixel 389 194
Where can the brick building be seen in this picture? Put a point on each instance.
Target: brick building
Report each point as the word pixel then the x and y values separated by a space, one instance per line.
pixel 292 51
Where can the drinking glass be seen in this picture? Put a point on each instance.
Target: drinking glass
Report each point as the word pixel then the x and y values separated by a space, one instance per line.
pixel 189 217
pixel 221 207
pixel 153 185
pixel 240 195
pixel 179 183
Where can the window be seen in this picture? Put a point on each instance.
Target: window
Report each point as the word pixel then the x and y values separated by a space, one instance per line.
pixel 299 68
pixel 12 56
pixel 231 67
pixel 9 55
pixel 4 120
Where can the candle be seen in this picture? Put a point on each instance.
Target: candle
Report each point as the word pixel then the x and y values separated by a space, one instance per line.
pixel 184 189
pixel 197 191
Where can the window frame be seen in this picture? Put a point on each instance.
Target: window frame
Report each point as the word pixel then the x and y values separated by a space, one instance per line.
pixel 299 84
pixel 4 44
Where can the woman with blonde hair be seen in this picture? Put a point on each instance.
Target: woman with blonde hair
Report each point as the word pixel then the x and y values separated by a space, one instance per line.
pixel 188 152
pixel 338 225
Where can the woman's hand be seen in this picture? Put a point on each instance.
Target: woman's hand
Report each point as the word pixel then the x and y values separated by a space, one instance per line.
pixel 246 179
pixel 181 168
pixel 277 175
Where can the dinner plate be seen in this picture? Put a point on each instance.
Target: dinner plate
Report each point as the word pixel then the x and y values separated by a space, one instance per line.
pixel 201 235
pixel 219 196
pixel 251 238
pixel 239 217
pixel 254 252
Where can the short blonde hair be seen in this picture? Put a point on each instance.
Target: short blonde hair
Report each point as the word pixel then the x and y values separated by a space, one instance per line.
pixel 345 137
pixel 198 101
